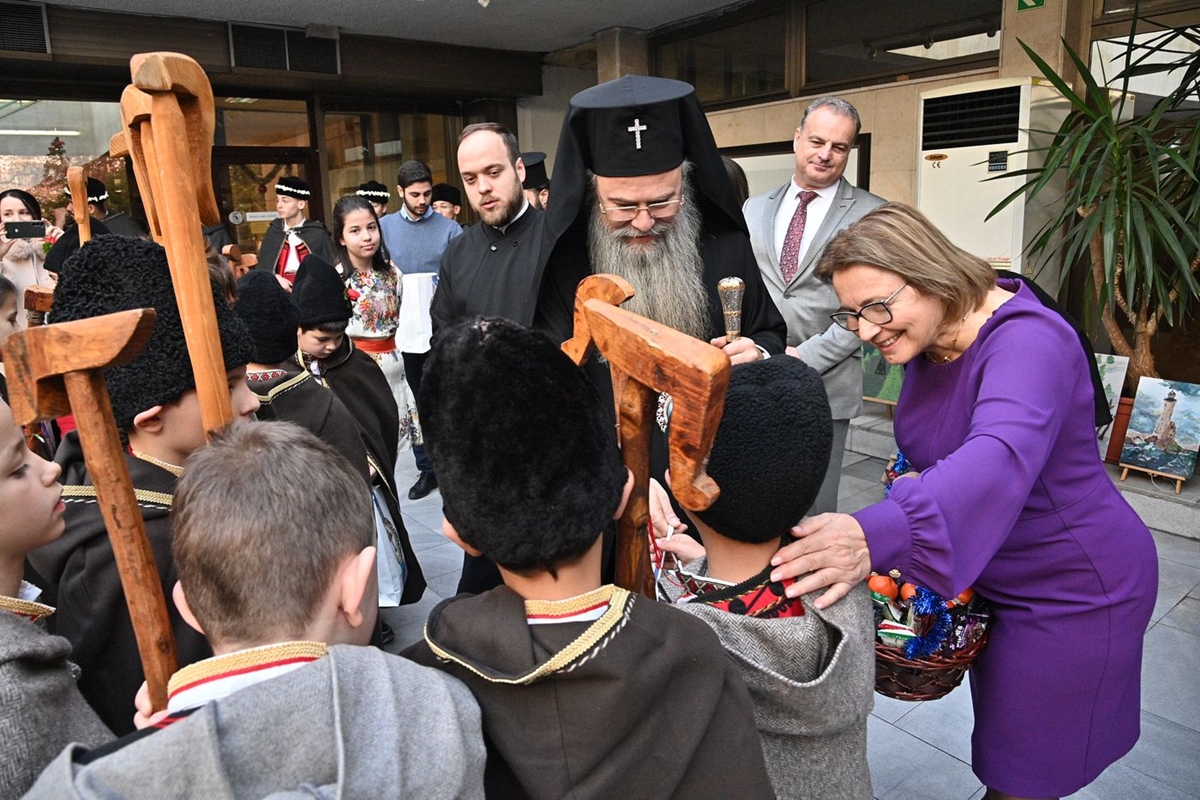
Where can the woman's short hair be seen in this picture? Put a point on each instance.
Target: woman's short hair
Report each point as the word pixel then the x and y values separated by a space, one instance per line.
pixel 898 238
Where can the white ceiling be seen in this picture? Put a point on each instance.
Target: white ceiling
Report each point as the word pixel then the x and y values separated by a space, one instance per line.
pixel 531 25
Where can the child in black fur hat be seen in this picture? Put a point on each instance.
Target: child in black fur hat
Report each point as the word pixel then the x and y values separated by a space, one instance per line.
pixel 155 405
pixel 580 683
pixel 284 390
pixel 325 351
pixel 810 671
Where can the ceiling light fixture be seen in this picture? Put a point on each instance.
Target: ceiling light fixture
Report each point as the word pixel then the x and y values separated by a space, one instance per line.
pixel 31 132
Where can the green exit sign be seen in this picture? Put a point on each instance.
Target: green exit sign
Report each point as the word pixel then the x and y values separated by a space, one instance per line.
pixel 1025 5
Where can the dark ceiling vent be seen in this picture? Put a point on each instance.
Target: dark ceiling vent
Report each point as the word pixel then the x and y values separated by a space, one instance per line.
pixel 312 55
pixel 23 28
pixel 280 48
pixel 964 120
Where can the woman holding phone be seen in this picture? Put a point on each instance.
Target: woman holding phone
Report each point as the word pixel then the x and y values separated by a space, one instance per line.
pixel 22 252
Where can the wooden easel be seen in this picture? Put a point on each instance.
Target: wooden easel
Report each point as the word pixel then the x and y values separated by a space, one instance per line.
pixel 1178 481
pixel 647 358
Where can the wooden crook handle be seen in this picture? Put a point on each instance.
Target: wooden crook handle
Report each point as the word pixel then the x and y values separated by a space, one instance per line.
pixel 611 289
pixel 170 118
pixel 77 184
pixel 183 77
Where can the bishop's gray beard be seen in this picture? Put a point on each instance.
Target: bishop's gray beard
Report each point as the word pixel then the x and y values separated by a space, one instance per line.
pixel 667 276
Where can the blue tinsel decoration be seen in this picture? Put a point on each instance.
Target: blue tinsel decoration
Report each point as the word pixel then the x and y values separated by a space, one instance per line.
pixel 926 603
pixel 899 468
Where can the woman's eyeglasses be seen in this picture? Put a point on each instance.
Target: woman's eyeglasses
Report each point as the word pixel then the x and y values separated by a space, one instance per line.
pixel 877 313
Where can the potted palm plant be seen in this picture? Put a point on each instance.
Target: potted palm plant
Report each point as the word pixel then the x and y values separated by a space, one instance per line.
pixel 1131 210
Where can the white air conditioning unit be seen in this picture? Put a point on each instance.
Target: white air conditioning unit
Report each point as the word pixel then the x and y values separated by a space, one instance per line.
pixel 977 131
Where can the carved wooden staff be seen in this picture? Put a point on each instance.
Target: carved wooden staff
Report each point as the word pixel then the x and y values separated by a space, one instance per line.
pixel 59 369
pixel 77 185
pixel 647 358
pixel 169 116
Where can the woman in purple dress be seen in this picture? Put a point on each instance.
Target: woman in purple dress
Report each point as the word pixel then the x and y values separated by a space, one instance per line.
pixel 1011 498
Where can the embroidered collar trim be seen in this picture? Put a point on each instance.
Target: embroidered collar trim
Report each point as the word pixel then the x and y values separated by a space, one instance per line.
pixel 174 469
pixel 757 597
pixel 28 609
pixel 73 493
pixel 262 376
pixel 221 676
pixel 584 608
pixel 583 649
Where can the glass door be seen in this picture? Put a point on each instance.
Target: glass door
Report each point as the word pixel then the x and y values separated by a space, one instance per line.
pixel 245 188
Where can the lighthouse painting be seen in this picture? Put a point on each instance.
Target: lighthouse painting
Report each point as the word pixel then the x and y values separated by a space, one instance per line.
pixel 1164 429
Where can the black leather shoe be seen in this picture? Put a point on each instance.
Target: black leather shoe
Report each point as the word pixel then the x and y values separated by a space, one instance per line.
pixel 424 485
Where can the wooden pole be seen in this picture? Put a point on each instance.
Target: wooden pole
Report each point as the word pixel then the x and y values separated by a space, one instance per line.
pixel 77 184
pixel 59 369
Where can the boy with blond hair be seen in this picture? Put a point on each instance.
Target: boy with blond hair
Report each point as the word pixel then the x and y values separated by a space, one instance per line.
pixel 155 406
pixel 274 544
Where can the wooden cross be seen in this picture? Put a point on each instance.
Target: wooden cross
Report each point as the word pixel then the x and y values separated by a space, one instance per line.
pixel 647 358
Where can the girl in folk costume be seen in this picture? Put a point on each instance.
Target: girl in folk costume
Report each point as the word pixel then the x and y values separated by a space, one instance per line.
pixel 374 288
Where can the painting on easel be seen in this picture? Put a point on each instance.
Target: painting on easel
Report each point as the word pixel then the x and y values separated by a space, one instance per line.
pixel 881 380
pixel 1164 429
pixel 1112 375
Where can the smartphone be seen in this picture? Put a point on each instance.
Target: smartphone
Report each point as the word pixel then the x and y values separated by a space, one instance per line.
pixel 35 229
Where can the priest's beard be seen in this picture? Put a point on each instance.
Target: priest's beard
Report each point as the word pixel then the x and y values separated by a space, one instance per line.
pixel 667 276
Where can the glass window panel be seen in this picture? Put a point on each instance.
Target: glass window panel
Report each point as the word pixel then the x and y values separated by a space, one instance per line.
pixel 1108 60
pixel 1144 6
pixel 248 190
pixel 39 139
pixel 742 60
pixel 255 122
pixel 372 145
pixel 852 39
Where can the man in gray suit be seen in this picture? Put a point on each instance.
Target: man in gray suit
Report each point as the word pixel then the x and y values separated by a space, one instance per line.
pixel 789 228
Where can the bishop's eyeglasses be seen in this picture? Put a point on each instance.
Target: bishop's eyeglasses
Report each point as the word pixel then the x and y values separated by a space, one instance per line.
pixel 877 313
pixel 661 210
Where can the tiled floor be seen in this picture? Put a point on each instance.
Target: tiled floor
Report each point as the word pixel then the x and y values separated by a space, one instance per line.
pixel 922 750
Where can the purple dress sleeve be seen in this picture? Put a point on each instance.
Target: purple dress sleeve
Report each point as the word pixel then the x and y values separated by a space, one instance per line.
pixel 1005 400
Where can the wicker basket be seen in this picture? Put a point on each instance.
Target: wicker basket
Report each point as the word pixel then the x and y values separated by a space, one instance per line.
pixel 921 679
